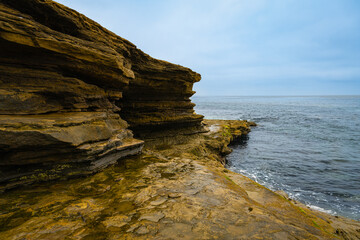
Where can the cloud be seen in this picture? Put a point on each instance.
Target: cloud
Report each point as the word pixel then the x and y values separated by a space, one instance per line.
pixel 234 41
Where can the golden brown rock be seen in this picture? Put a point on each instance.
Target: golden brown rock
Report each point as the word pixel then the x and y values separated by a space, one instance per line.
pixel 199 200
pixel 66 84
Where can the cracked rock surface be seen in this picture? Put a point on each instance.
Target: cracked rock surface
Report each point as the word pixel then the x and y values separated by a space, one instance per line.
pixel 136 200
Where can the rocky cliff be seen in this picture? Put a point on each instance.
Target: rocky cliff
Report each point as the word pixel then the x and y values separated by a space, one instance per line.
pixel 73 94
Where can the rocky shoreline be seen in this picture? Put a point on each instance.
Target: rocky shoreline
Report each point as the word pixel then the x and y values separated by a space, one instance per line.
pixel 98 140
pixel 167 192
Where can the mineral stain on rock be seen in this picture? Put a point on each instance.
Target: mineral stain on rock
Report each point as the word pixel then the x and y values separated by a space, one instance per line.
pixel 78 100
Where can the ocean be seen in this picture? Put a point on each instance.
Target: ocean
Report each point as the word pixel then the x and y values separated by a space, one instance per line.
pixel 308 147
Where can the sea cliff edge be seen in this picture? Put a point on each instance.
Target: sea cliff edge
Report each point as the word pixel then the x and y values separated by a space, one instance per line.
pixel 98 140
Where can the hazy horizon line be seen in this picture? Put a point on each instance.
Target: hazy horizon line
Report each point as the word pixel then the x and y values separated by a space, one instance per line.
pixel 336 95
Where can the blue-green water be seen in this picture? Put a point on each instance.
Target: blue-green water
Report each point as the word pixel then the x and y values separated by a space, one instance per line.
pixel 307 146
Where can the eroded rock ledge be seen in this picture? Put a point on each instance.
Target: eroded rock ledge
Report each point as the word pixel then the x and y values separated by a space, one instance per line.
pixel 169 192
pixel 73 94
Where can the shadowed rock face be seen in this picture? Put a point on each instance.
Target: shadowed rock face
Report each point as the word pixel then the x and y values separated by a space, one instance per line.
pixel 70 89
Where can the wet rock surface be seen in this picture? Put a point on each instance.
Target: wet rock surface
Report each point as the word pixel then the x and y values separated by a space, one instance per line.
pixel 135 200
pixel 72 95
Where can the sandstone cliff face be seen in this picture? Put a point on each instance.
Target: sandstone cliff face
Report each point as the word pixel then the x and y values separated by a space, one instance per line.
pixel 70 90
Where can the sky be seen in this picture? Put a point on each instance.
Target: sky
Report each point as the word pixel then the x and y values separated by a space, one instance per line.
pixel 245 47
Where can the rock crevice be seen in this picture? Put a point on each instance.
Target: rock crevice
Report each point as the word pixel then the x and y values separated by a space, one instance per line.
pixel 72 94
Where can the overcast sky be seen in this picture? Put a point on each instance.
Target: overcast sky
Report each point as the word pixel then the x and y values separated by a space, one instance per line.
pixel 245 47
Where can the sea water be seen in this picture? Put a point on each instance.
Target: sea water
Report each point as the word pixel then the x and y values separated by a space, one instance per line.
pixel 307 146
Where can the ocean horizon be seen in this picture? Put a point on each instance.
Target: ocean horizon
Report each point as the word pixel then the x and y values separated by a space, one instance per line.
pixel 320 95
pixel 307 146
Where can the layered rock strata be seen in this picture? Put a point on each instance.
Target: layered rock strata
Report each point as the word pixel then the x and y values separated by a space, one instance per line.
pixel 70 90
pixel 171 192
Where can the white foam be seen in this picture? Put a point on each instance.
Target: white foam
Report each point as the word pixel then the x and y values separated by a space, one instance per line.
pixel 321 209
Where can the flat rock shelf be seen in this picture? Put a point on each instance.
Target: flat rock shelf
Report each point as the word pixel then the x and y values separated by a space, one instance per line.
pixel 76 100
pixel 168 192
